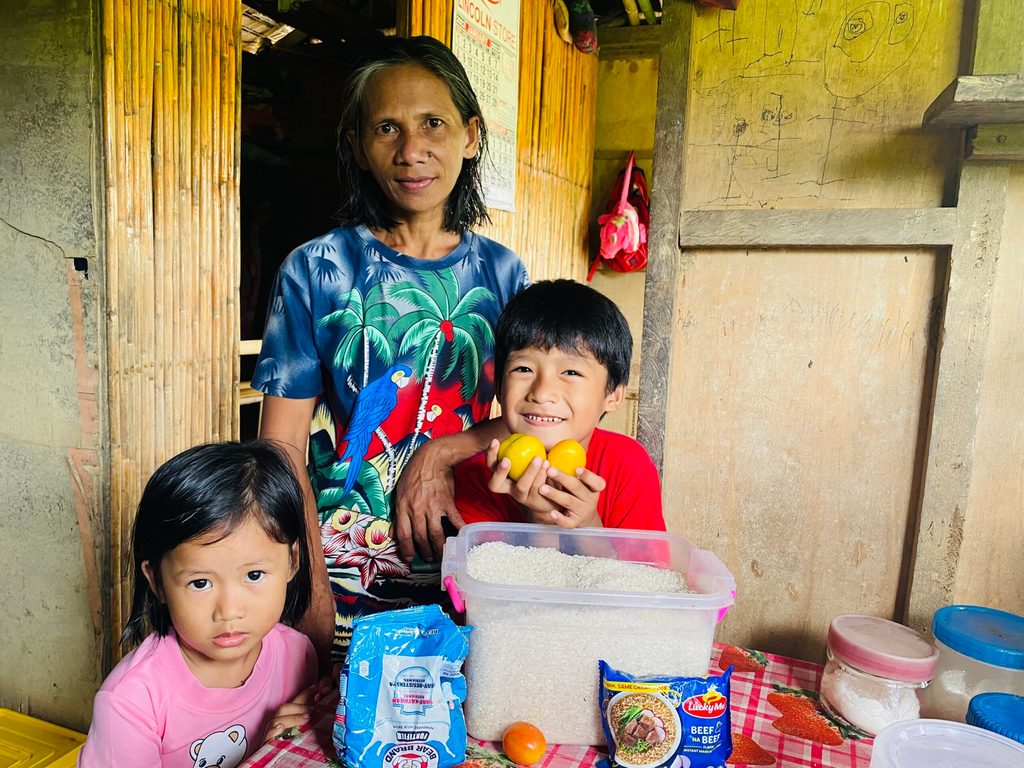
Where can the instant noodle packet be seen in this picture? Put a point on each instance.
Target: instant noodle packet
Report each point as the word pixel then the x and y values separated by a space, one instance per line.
pixel 402 691
pixel 676 722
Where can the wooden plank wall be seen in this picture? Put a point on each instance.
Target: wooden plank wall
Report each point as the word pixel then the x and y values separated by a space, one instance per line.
pixel 557 91
pixel 795 424
pixel 988 568
pixel 171 73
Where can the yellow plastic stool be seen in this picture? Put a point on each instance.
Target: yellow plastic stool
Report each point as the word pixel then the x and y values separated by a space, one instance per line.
pixel 28 742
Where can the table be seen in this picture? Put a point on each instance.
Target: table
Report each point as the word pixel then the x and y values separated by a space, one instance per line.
pixel 776 720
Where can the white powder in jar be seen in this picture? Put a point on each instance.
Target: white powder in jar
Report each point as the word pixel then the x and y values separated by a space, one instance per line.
pixel 868 702
pixel 537 660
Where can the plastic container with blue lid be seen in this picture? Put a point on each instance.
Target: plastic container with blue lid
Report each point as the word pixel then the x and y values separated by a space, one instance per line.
pixel 981 650
pixel 1001 713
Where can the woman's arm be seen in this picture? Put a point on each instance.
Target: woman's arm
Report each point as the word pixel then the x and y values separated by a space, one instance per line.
pixel 426 491
pixel 286 422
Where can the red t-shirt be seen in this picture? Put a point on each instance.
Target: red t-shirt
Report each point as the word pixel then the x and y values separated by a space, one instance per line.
pixel 631 498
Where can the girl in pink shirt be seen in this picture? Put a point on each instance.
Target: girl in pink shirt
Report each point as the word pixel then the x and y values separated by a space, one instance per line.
pixel 220 562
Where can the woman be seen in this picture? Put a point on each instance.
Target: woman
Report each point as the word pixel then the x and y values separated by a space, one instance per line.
pixel 380 334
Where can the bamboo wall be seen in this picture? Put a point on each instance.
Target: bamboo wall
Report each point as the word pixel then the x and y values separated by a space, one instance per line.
pixel 557 92
pixel 171 112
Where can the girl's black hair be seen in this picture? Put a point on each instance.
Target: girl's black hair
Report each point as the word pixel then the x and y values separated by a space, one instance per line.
pixel 363 201
pixel 215 488
pixel 569 316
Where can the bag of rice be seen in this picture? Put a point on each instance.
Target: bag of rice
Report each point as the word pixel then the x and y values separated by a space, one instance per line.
pixel 676 722
pixel 402 691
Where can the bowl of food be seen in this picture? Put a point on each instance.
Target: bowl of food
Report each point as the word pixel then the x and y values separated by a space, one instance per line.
pixel 645 727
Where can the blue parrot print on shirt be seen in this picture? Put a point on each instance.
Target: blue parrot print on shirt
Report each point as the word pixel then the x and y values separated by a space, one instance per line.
pixel 373 405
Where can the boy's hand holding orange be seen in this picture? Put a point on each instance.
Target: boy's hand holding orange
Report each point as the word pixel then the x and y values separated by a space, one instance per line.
pixel 570 502
pixel 566 456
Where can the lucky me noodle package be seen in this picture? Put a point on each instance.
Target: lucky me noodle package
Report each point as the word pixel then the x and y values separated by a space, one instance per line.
pixel 670 722
pixel 402 691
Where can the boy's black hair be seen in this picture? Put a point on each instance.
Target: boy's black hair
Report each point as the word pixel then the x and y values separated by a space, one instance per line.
pixel 363 201
pixel 215 488
pixel 570 316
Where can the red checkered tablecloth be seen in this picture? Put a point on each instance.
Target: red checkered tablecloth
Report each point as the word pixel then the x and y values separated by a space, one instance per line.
pixel 775 721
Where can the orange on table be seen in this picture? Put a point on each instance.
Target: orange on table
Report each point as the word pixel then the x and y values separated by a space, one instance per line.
pixel 524 743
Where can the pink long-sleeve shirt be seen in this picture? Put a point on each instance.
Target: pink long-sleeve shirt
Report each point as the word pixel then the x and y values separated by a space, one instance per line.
pixel 152 712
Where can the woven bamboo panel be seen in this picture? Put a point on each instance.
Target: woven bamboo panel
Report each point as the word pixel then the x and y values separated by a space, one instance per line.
pixel 557 94
pixel 171 73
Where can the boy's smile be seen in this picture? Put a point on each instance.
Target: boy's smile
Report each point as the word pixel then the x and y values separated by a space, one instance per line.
pixel 556 394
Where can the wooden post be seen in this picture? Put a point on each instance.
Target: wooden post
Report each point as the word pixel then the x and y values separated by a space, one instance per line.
pixel 994 93
pixel 959 371
pixel 664 259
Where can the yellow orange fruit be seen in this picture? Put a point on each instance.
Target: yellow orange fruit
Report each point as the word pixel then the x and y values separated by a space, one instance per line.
pixel 520 450
pixel 567 456
pixel 524 743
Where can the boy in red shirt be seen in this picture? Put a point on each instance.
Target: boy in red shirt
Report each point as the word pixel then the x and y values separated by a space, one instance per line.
pixel 562 354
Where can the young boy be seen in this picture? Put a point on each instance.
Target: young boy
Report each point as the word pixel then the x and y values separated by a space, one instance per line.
pixel 562 353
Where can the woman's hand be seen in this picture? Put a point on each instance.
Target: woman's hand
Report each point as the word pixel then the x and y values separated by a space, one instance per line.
pixel 426 490
pixel 426 493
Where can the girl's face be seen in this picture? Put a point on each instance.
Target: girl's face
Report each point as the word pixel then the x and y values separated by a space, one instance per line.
pixel 413 141
pixel 224 594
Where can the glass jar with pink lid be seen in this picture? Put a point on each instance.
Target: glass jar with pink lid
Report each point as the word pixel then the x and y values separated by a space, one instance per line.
pixel 874 671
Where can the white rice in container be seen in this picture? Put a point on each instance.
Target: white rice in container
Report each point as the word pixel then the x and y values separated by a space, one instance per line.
pixel 537 661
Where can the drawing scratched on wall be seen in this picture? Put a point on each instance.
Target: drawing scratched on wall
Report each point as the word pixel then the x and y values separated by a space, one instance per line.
pixel 798 103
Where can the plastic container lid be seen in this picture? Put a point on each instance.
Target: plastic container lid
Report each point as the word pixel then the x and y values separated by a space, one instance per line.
pixel 883 648
pixel 985 634
pixel 27 742
pixel 943 744
pixel 1001 713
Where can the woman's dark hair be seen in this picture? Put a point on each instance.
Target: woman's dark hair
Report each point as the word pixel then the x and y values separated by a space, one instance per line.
pixel 363 201
pixel 207 489
pixel 569 316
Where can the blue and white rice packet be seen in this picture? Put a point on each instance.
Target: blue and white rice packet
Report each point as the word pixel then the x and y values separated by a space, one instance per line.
pixel 402 691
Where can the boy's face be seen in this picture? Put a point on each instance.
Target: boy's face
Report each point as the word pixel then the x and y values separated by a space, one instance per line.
pixel 556 395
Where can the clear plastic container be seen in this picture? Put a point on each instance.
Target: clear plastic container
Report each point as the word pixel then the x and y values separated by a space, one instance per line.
pixel 942 744
pixel 534 650
pixel 874 671
pixel 981 650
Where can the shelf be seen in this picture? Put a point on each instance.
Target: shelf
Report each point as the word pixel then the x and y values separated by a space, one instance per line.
pixel 978 100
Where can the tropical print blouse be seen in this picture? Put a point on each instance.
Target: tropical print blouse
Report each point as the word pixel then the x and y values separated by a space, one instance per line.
pixel 397 350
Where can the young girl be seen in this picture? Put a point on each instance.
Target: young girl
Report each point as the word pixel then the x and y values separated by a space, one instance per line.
pixel 219 559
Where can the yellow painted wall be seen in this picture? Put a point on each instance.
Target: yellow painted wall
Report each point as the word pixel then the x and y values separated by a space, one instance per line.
pixel 626 97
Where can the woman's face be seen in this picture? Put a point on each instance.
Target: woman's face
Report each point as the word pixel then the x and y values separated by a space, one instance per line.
pixel 413 141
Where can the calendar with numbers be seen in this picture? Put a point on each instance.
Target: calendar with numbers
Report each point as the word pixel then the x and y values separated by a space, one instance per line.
pixel 485 38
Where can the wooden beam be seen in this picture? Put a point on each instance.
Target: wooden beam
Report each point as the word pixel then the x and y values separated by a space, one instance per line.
pixel 959 369
pixel 818 228
pixel 642 42
pixel 330 22
pixel 977 99
pixel 997 142
pixel 663 261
